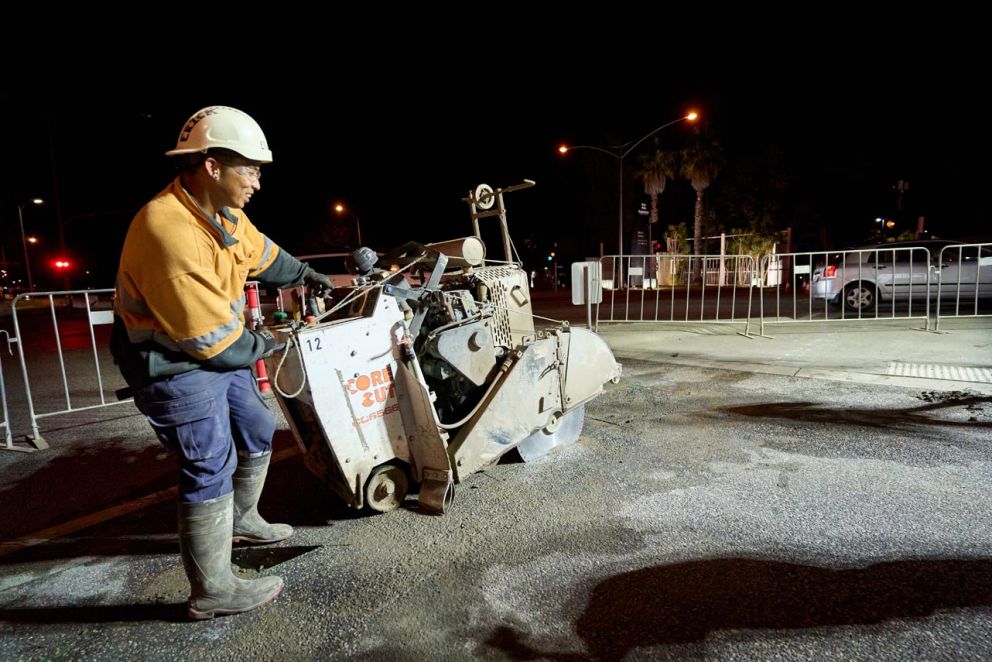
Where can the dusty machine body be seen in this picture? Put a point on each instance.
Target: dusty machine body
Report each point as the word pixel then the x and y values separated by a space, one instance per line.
pixel 431 369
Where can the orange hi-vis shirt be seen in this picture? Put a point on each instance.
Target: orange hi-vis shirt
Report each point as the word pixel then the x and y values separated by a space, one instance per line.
pixel 182 277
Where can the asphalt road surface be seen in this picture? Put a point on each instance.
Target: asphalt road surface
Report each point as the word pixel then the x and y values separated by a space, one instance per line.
pixel 703 513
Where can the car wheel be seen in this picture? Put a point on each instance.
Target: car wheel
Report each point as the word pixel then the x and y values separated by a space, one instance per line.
pixel 859 298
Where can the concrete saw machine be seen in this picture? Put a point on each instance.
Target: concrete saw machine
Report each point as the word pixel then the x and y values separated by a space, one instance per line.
pixel 430 368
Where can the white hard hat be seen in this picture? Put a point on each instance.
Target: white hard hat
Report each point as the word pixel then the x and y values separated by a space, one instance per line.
pixel 224 127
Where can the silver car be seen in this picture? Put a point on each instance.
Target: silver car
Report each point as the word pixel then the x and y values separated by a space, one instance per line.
pixel 948 271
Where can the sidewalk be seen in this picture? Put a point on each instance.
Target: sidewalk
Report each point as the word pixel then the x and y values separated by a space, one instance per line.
pixel 957 358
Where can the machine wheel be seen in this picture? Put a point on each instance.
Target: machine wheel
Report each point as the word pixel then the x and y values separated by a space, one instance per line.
pixel 386 488
pixel 859 297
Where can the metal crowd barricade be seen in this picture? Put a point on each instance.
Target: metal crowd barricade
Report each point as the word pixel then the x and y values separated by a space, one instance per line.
pixel 801 287
pixel 93 318
pixel 965 278
pixel 8 438
pixel 903 283
pixel 675 288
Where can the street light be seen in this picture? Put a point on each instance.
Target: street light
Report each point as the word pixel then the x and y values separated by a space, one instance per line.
pixel 341 209
pixel 620 152
pixel 24 241
pixel 883 225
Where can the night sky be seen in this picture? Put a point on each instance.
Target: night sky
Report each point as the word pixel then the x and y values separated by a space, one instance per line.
pixel 402 144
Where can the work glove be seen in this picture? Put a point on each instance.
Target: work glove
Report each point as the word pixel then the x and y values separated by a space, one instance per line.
pixel 270 345
pixel 318 282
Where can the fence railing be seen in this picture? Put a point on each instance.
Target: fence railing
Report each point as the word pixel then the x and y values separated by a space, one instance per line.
pixel 839 286
pixel 74 356
pixel 8 439
pixel 964 281
pixel 884 283
pixel 676 288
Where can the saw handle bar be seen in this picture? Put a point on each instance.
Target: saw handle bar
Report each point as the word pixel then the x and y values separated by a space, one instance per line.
pixel 415 294
pixel 405 252
pixel 527 183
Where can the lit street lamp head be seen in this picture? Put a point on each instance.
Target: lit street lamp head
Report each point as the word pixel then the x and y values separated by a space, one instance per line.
pixel 340 209
pixel 24 240
pixel 620 152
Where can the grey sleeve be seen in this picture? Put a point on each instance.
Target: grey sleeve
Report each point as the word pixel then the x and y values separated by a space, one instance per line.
pixel 242 353
pixel 285 271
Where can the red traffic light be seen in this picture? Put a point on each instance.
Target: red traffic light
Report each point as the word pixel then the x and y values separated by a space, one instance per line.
pixel 61 264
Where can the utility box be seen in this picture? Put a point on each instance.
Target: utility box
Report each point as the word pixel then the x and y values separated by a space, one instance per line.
pixel 587 282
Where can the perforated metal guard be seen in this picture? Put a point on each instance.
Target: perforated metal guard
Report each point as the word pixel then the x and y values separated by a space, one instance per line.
pixel 499 280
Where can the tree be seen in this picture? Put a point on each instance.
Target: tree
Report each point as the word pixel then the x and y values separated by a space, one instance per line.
pixel 753 244
pixel 753 193
pixel 675 238
pixel 655 171
pixel 701 161
pixel 670 268
pixel 336 234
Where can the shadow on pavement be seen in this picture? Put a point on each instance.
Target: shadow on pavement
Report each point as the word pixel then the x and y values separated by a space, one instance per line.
pixel 171 613
pixel 131 543
pixel 262 558
pixel 811 412
pixel 75 483
pixel 685 602
pixel 88 502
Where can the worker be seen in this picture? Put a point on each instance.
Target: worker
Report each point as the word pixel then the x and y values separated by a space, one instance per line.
pixel 180 341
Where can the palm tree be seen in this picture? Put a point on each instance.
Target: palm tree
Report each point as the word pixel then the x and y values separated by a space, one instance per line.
pixel 701 161
pixel 655 171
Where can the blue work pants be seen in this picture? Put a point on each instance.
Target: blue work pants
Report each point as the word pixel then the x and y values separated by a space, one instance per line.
pixel 206 418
